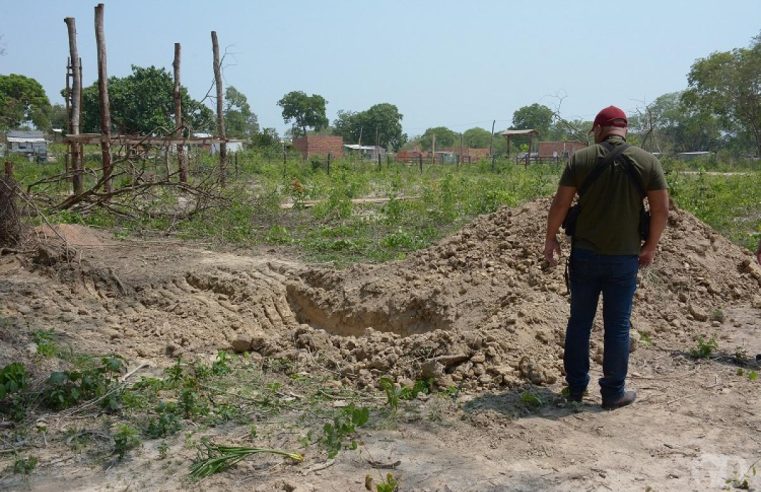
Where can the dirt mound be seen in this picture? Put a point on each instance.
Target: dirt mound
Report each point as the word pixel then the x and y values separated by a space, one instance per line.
pixel 477 309
pixel 490 314
pixel 73 235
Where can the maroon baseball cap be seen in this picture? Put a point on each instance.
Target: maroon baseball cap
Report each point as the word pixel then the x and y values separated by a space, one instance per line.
pixel 611 116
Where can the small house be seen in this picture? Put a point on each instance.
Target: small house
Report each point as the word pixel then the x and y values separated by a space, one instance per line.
pixel 30 143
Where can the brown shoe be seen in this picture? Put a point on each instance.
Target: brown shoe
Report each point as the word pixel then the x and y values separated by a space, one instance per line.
pixel 626 399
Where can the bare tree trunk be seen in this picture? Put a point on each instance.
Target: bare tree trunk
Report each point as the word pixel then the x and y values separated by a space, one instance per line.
pixel 220 109
pixel 178 123
pixel 10 227
pixel 76 105
pixel 105 111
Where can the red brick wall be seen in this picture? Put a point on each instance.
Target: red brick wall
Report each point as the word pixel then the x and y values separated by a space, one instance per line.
pixel 319 145
pixel 547 149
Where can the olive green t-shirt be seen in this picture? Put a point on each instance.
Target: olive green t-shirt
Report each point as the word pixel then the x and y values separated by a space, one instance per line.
pixel 609 220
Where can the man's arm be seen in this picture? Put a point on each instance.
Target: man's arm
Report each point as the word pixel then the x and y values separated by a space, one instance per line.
pixel 659 215
pixel 558 210
pixel 758 253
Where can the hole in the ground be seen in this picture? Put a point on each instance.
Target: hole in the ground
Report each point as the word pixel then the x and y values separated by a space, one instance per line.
pixel 403 316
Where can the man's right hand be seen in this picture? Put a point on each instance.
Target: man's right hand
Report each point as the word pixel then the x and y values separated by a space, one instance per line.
pixel 646 256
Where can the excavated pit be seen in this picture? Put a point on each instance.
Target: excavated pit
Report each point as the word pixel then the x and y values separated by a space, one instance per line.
pixel 404 317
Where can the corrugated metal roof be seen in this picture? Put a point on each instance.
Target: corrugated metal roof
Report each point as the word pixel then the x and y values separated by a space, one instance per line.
pixel 25 134
pixel 25 140
pixel 519 132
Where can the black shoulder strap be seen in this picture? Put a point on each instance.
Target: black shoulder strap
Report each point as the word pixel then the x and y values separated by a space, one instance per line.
pixel 602 163
pixel 629 167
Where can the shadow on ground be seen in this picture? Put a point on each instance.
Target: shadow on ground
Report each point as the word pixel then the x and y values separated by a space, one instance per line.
pixel 529 401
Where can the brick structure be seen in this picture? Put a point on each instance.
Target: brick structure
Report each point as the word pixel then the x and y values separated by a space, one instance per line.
pixel 468 154
pixel 559 150
pixel 319 145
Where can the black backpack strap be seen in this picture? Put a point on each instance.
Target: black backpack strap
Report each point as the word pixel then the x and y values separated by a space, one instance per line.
pixel 602 162
pixel 634 177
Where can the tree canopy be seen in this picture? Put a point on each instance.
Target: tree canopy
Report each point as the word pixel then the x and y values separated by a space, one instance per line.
pixel 477 138
pixel 674 127
pixel 383 120
pixel 444 138
pixel 304 111
pixel 240 121
pixel 142 103
pixel 728 85
pixel 536 116
pixel 22 99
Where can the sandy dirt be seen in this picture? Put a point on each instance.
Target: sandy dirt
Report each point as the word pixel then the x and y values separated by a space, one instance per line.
pixel 477 311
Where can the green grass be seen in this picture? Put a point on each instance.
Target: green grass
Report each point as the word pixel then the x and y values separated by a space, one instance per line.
pixel 422 208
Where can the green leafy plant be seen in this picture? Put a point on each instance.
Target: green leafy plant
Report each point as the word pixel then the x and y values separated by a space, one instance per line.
pixel 343 427
pixel 25 466
pixel 166 423
pixel 213 458
pixel 46 346
pixel 531 400
pixel 389 484
pixel 752 375
pixel 64 389
pixel 13 378
pixel 126 438
pixel 704 348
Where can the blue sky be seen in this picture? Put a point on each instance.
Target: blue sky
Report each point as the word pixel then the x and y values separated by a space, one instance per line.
pixel 443 63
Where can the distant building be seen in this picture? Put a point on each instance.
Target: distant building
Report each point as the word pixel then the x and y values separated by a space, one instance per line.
pixel 366 152
pixel 319 145
pixel 560 151
pixel 695 155
pixel 233 146
pixel 30 143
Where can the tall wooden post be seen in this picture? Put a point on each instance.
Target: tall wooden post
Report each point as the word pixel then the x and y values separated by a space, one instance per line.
pixel 182 160
pixel 105 109
pixel 75 106
pixel 220 109
pixel 491 142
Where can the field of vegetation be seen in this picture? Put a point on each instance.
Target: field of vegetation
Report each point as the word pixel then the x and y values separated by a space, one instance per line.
pixel 347 210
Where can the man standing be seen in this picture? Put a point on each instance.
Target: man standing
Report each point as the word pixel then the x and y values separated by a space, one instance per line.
pixel 606 248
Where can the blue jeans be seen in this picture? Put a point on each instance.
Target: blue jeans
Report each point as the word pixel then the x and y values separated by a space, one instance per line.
pixel 616 278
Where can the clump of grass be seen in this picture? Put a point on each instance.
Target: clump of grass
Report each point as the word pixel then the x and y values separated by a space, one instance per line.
pixel 531 400
pixel 25 466
pixel 704 348
pixel 214 458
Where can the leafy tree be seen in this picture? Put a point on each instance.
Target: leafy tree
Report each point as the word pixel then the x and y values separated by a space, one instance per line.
pixel 444 138
pixel 240 121
pixel 142 103
pixel 728 84
pixel 268 137
pixel 478 138
pixel 383 120
pixel 305 111
pixel 22 99
pixel 677 127
pixel 59 117
pixel 536 116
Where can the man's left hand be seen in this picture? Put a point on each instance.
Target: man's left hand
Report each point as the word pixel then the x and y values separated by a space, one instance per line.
pixel 551 248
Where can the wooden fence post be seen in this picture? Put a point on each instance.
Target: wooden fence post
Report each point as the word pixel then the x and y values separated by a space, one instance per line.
pixel 182 161
pixel 220 109
pixel 77 180
pixel 329 156
pixel 105 110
